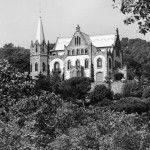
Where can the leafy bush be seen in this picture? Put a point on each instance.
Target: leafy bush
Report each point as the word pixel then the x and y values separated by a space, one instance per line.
pixel 104 102
pixel 117 96
pixel 132 89
pixel 146 92
pixel 118 76
pixel 129 105
pixel 74 88
pixel 99 93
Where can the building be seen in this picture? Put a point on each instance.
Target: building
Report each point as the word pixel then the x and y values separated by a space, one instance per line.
pixel 96 56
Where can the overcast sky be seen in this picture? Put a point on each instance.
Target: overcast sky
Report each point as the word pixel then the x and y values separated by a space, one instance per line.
pixel 19 18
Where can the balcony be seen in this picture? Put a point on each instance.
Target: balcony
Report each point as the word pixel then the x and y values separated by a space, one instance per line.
pixel 56 71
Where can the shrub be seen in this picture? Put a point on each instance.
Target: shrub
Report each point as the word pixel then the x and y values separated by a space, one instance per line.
pixel 117 96
pixel 99 93
pixel 146 92
pixel 118 76
pixel 129 105
pixel 74 88
pixel 104 102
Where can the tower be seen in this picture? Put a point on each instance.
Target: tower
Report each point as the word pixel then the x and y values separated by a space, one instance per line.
pixel 39 53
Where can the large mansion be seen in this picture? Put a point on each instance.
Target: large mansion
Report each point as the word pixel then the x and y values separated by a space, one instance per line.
pixel 95 56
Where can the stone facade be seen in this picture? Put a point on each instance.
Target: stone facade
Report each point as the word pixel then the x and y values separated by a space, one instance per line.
pixel 81 55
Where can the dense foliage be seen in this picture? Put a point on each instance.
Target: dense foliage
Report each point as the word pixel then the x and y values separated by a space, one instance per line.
pixel 18 57
pixel 136 55
pixel 137 11
pixel 99 93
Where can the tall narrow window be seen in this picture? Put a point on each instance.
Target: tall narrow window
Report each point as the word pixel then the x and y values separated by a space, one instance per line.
pixel 77 63
pixel 73 52
pixel 82 51
pixel 44 67
pixel 86 51
pixel 86 63
pixel 30 67
pixel 79 40
pixel 78 73
pixel 75 41
pixel 36 48
pixel 78 51
pixel 36 66
pixel 69 64
pixel 56 65
pixel 109 63
pixel 99 62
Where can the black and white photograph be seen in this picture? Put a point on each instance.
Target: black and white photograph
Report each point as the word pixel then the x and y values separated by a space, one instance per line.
pixel 74 74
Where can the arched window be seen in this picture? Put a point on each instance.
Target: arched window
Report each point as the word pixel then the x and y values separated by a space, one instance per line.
pixel 44 67
pixel 30 67
pixel 109 63
pixel 99 62
pixel 69 64
pixel 69 52
pixel 86 51
pixel 86 63
pixel 77 63
pixel 78 51
pixel 56 65
pixel 75 41
pixel 82 51
pixel 79 41
pixel 73 52
pixel 36 66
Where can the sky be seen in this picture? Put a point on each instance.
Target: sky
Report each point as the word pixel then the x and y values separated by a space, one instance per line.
pixel 19 19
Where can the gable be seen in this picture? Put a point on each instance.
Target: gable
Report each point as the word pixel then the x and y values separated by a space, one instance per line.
pixel 79 39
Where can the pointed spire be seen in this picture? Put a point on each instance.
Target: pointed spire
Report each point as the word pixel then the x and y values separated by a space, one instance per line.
pixel 40 32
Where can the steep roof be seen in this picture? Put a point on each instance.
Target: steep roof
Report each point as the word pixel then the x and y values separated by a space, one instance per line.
pixel 40 32
pixel 96 40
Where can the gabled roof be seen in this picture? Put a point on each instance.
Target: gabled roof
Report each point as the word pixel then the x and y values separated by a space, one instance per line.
pixel 40 32
pixel 96 40
pixel 103 40
pixel 61 42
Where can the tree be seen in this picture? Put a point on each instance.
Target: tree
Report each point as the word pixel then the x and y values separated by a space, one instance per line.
pixel 75 88
pixel 138 11
pixel 18 57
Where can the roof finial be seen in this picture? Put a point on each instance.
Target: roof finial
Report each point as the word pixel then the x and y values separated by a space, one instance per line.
pixel 78 28
pixel 117 31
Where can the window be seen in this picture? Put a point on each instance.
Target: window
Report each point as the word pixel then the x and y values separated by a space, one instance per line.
pixel 69 52
pixel 56 65
pixel 36 66
pixel 82 51
pixel 31 68
pixel 86 63
pixel 44 67
pixel 73 52
pixel 78 51
pixel 99 62
pixel 69 64
pixel 77 63
pixel 36 48
pixel 78 73
pixel 77 40
pixel 86 51
pixel 109 63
